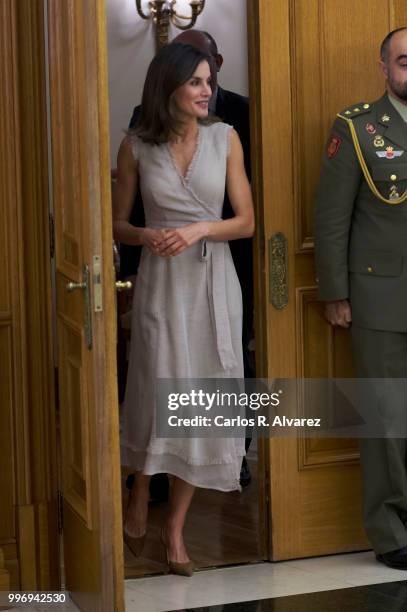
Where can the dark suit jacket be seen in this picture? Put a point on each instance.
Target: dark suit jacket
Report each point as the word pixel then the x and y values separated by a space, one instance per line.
pixel 233 109
pixel 361 245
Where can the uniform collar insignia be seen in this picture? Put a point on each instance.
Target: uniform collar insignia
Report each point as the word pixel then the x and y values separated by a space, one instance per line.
pixel 395 130
pixel 370 128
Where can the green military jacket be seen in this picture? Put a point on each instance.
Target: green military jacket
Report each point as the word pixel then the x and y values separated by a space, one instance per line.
pixel 361 240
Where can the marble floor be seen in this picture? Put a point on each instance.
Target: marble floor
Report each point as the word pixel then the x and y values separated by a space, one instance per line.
pixel 245 585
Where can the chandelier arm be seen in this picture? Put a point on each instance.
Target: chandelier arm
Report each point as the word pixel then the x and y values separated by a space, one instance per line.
pixel 187 26
pixel 196 11
pixel 140 10
pixel 201 7
pixel 176 16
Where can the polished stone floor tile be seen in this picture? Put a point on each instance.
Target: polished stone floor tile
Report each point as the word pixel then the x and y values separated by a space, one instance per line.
pixel 397 590
pixel 352 599
pixel 353 569
pixel 235 584
pixel 251 583
pixel 136 601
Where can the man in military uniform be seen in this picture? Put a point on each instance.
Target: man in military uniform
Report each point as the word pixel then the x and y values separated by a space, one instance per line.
pixel 361 257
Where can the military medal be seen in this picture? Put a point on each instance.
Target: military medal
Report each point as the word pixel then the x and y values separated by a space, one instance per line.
pixel 393 193
pixel 378 141
pixel 370 128
pixel 389 153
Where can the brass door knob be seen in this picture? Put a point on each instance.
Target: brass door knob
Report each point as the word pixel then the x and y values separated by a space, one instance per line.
pixel 123 285
pixel 73 286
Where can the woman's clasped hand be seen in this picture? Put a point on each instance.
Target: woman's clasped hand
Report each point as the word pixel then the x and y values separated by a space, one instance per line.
pixel 172 242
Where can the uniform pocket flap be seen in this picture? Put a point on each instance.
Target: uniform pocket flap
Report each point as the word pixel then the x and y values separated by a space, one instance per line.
pixel 376 263
pixel 388 171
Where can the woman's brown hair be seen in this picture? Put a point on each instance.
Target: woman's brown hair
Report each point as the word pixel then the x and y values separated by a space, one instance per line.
pixel 171 68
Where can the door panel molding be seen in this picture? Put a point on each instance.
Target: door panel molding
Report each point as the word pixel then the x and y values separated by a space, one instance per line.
pixel 67 106
pixel 28 484
pixel 74 421
pixel 324 452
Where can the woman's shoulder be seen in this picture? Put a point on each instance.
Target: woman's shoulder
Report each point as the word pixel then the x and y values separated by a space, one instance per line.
pixel 132 139
pixel 136 145
pixel 218 130
pixel 218 126
pixel 131 143
pixel 220 134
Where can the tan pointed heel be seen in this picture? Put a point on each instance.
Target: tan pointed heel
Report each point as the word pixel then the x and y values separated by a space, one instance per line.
pixel 180 569
pixel 136 545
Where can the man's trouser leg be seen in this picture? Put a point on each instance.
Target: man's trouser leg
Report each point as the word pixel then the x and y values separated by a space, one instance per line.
pixel 382 354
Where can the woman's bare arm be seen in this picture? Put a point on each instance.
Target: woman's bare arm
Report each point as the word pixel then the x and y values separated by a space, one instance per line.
pixel 123 200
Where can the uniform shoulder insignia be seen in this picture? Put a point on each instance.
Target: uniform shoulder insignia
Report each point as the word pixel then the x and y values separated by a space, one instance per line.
pixel 351 112
pixel 333 146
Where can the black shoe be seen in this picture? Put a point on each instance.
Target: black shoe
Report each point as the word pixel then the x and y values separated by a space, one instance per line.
pixel 245 476
pixel 397 559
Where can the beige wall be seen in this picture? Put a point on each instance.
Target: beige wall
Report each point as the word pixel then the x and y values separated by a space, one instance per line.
pixel 131 48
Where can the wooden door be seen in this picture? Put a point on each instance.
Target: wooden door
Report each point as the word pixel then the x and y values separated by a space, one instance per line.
pixel 312 58
pixel 89 433
pixel 29 558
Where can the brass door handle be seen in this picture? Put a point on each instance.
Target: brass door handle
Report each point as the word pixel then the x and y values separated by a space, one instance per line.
pixel 124 285
pixel 72 286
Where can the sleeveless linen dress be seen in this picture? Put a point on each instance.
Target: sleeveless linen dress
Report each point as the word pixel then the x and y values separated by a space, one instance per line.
pixel 187 314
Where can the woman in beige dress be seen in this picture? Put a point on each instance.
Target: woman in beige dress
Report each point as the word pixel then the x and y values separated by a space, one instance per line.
pixel 187 311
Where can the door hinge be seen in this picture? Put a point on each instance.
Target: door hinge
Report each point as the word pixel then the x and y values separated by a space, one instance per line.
pixel 51 236
pixel 60 504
